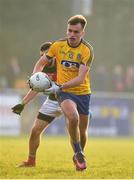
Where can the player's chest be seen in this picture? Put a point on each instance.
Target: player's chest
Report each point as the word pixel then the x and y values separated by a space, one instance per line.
pixel 69 59
pixel 70 54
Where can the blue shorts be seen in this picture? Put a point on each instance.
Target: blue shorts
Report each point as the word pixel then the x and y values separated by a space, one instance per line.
pixel 82 101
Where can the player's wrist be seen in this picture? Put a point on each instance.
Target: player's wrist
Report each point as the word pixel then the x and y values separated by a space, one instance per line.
pixel 23 103
pixel 61 87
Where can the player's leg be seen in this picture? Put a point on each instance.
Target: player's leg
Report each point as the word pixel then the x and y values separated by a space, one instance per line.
pixel 83 126
pixel 47 113
pixel 83 109
pixel 70 110
pixel 34 141
pixel 38 127
pixel 71 140
pixel 73 106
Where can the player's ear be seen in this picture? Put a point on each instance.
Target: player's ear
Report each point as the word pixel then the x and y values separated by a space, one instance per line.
pixel 83 33
pixel 66 33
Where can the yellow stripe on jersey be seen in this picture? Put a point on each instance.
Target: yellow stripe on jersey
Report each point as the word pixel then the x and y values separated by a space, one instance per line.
pixel 68 61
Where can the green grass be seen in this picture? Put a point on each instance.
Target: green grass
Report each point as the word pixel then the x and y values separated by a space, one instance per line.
pixel 107 158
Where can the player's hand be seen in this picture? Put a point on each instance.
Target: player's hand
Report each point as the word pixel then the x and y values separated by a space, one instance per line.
pixel 53 89
pixel 18 108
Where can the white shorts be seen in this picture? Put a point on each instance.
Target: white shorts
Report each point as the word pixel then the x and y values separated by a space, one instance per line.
pixel 51 108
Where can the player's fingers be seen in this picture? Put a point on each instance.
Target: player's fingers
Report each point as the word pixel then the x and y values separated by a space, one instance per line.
pixel 47 92
pixel 16 112
pixel 13 110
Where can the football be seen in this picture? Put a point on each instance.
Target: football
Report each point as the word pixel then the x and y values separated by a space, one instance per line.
pixel 39 82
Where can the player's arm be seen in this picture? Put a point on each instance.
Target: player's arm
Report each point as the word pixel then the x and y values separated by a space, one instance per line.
pixel 41 63
pixel 83 70
pixel 18 108
pixel 29 96
pixel 46 59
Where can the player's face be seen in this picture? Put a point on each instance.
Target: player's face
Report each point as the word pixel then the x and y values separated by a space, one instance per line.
pixel 74 34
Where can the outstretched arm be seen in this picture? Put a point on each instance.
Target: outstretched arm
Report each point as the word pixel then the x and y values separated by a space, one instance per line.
pixel 18 108
pixel 29 96
pixel 77 80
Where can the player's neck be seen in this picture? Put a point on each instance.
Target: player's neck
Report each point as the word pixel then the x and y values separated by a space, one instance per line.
pixel 74 45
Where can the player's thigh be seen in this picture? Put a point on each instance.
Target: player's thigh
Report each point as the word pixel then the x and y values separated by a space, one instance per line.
pixel 39 125
pixel 69 108
pixel 83 122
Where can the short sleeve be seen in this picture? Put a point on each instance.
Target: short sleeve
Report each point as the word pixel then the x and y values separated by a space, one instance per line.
pixel 88 56
pixel 52 51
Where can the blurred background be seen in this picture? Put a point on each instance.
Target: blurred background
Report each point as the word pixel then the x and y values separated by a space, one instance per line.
pixel 25 25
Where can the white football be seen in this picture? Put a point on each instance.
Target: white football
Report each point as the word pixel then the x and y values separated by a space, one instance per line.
pixel 39 82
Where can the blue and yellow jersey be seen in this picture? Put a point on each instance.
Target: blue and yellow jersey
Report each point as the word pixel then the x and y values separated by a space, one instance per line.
pixel 68 61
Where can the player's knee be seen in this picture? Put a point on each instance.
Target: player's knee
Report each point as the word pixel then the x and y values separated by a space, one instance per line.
pixel 36 131
pixel 83 133
pixel 73 118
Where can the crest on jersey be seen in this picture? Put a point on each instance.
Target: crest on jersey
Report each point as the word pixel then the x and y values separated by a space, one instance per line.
pixel 79 57
pixel 70 54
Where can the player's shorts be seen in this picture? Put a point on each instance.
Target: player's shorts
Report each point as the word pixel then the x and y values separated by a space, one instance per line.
pixel 49 110
pixel 82 101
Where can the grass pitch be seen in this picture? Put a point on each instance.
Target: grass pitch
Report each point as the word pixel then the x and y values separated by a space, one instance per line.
pixel 107 158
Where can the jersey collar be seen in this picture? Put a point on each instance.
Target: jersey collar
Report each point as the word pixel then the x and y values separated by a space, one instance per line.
pixel 73 46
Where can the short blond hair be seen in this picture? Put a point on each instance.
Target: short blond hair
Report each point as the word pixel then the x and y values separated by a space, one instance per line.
pixel 78 19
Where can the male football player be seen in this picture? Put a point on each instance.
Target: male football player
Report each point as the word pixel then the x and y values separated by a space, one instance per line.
pixel 45 115
pixel 73 57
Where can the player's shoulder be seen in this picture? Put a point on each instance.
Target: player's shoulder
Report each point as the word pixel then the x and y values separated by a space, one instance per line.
pixel 87 44
pixel 60 41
